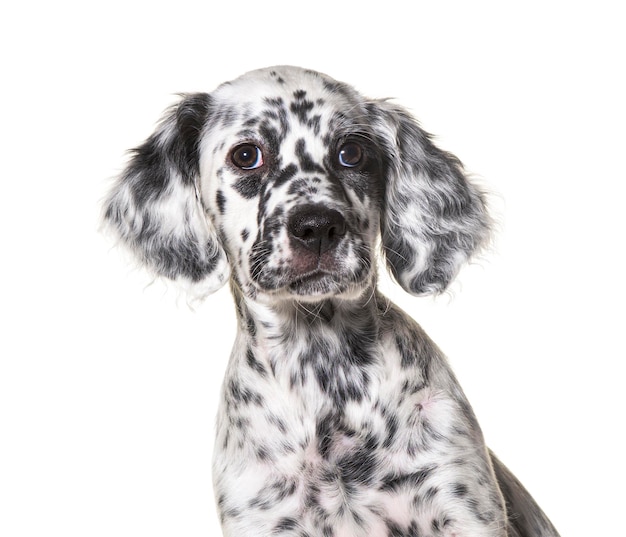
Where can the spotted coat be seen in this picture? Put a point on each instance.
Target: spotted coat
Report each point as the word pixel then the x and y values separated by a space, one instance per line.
pixel 339 416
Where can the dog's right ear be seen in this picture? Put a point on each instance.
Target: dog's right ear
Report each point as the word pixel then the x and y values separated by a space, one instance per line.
pixel 155 207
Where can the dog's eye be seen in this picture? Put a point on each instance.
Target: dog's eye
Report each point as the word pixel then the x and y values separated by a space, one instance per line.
pixel 247 157
pixel 350 154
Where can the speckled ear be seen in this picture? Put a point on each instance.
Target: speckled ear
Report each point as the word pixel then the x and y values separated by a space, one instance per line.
pixel 433 218
pixel 155 209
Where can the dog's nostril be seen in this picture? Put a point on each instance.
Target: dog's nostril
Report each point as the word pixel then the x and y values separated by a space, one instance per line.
pixel 307 234
pixel 317 228
pixel 336 232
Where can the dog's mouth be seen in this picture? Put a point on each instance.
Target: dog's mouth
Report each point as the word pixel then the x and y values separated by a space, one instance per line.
pixel 324 283
pixel 314 283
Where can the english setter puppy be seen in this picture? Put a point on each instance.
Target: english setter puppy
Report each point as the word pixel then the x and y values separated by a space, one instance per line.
pixel 339 417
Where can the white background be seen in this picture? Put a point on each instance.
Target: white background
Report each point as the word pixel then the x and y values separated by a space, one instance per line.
pixel 109 387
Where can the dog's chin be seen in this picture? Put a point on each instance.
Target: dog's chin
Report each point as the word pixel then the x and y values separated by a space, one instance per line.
pixel 318 286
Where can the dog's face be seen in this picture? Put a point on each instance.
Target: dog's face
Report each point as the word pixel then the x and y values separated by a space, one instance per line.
pixel 291 176
pixel 285 179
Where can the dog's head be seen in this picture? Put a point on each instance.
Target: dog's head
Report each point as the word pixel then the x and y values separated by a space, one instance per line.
pixel 286 178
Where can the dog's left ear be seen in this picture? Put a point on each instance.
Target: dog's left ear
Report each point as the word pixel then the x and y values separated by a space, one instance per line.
pixel 433 218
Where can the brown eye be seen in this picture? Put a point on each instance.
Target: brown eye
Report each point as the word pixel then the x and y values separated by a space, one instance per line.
pixel 247 157
pixel 350 154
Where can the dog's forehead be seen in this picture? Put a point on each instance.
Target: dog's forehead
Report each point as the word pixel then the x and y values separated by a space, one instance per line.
pixel 292 86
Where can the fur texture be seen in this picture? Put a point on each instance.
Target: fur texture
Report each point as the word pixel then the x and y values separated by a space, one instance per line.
pixel 339 416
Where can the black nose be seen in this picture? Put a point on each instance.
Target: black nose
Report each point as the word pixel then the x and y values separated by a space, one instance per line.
pixel 316 227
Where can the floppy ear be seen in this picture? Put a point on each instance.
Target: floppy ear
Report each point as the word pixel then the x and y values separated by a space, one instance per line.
pixel 433 218
pixel 155 206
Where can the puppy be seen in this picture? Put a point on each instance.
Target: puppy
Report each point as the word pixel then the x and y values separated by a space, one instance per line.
pixel 339 416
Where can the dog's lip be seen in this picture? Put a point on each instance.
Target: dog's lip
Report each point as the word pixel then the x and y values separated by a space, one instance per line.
pixel 310 277
pixel 314 285
pixel 315 282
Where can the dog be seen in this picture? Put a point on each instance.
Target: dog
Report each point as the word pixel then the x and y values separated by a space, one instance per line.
pixel 338 416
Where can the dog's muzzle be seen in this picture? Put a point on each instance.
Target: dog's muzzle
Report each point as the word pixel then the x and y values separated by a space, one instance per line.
pixel 316 235
pixel 318 255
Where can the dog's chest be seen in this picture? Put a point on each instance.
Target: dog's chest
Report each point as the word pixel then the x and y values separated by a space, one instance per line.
pixel 327 429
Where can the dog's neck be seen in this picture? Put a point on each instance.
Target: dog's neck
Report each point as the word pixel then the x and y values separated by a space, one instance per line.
pixel 266 317
pixel 326 347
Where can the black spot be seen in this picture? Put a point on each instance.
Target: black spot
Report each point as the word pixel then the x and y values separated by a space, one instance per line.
pixel 359 468
pixel 459 490
pixel 314 123
pixel 391 426
pixel 338 120
pixel 286 524
pixel 242 394
pixel 254 363
pixel 413 480
pixel 285 487
pixel 249 185
pixel 275 125
pixel 438 524
pixel 430 494
pixel 307 163
pixel 484 516
pixel 278 78
pixel 324 430
pixel 301 187
pixel 301 107
pixel 271 136
pixel 251 325
pixel 275 102
pixel 280 424
pixel 220 201
pixel 414 352
pixel 225 511
pixel 285 175
pixel 273 494
pixel 395 530
pixel 191 116
pixel 263 454
pixel 335 87
pixel 251 121
pixel 245 234
pixel 242 424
